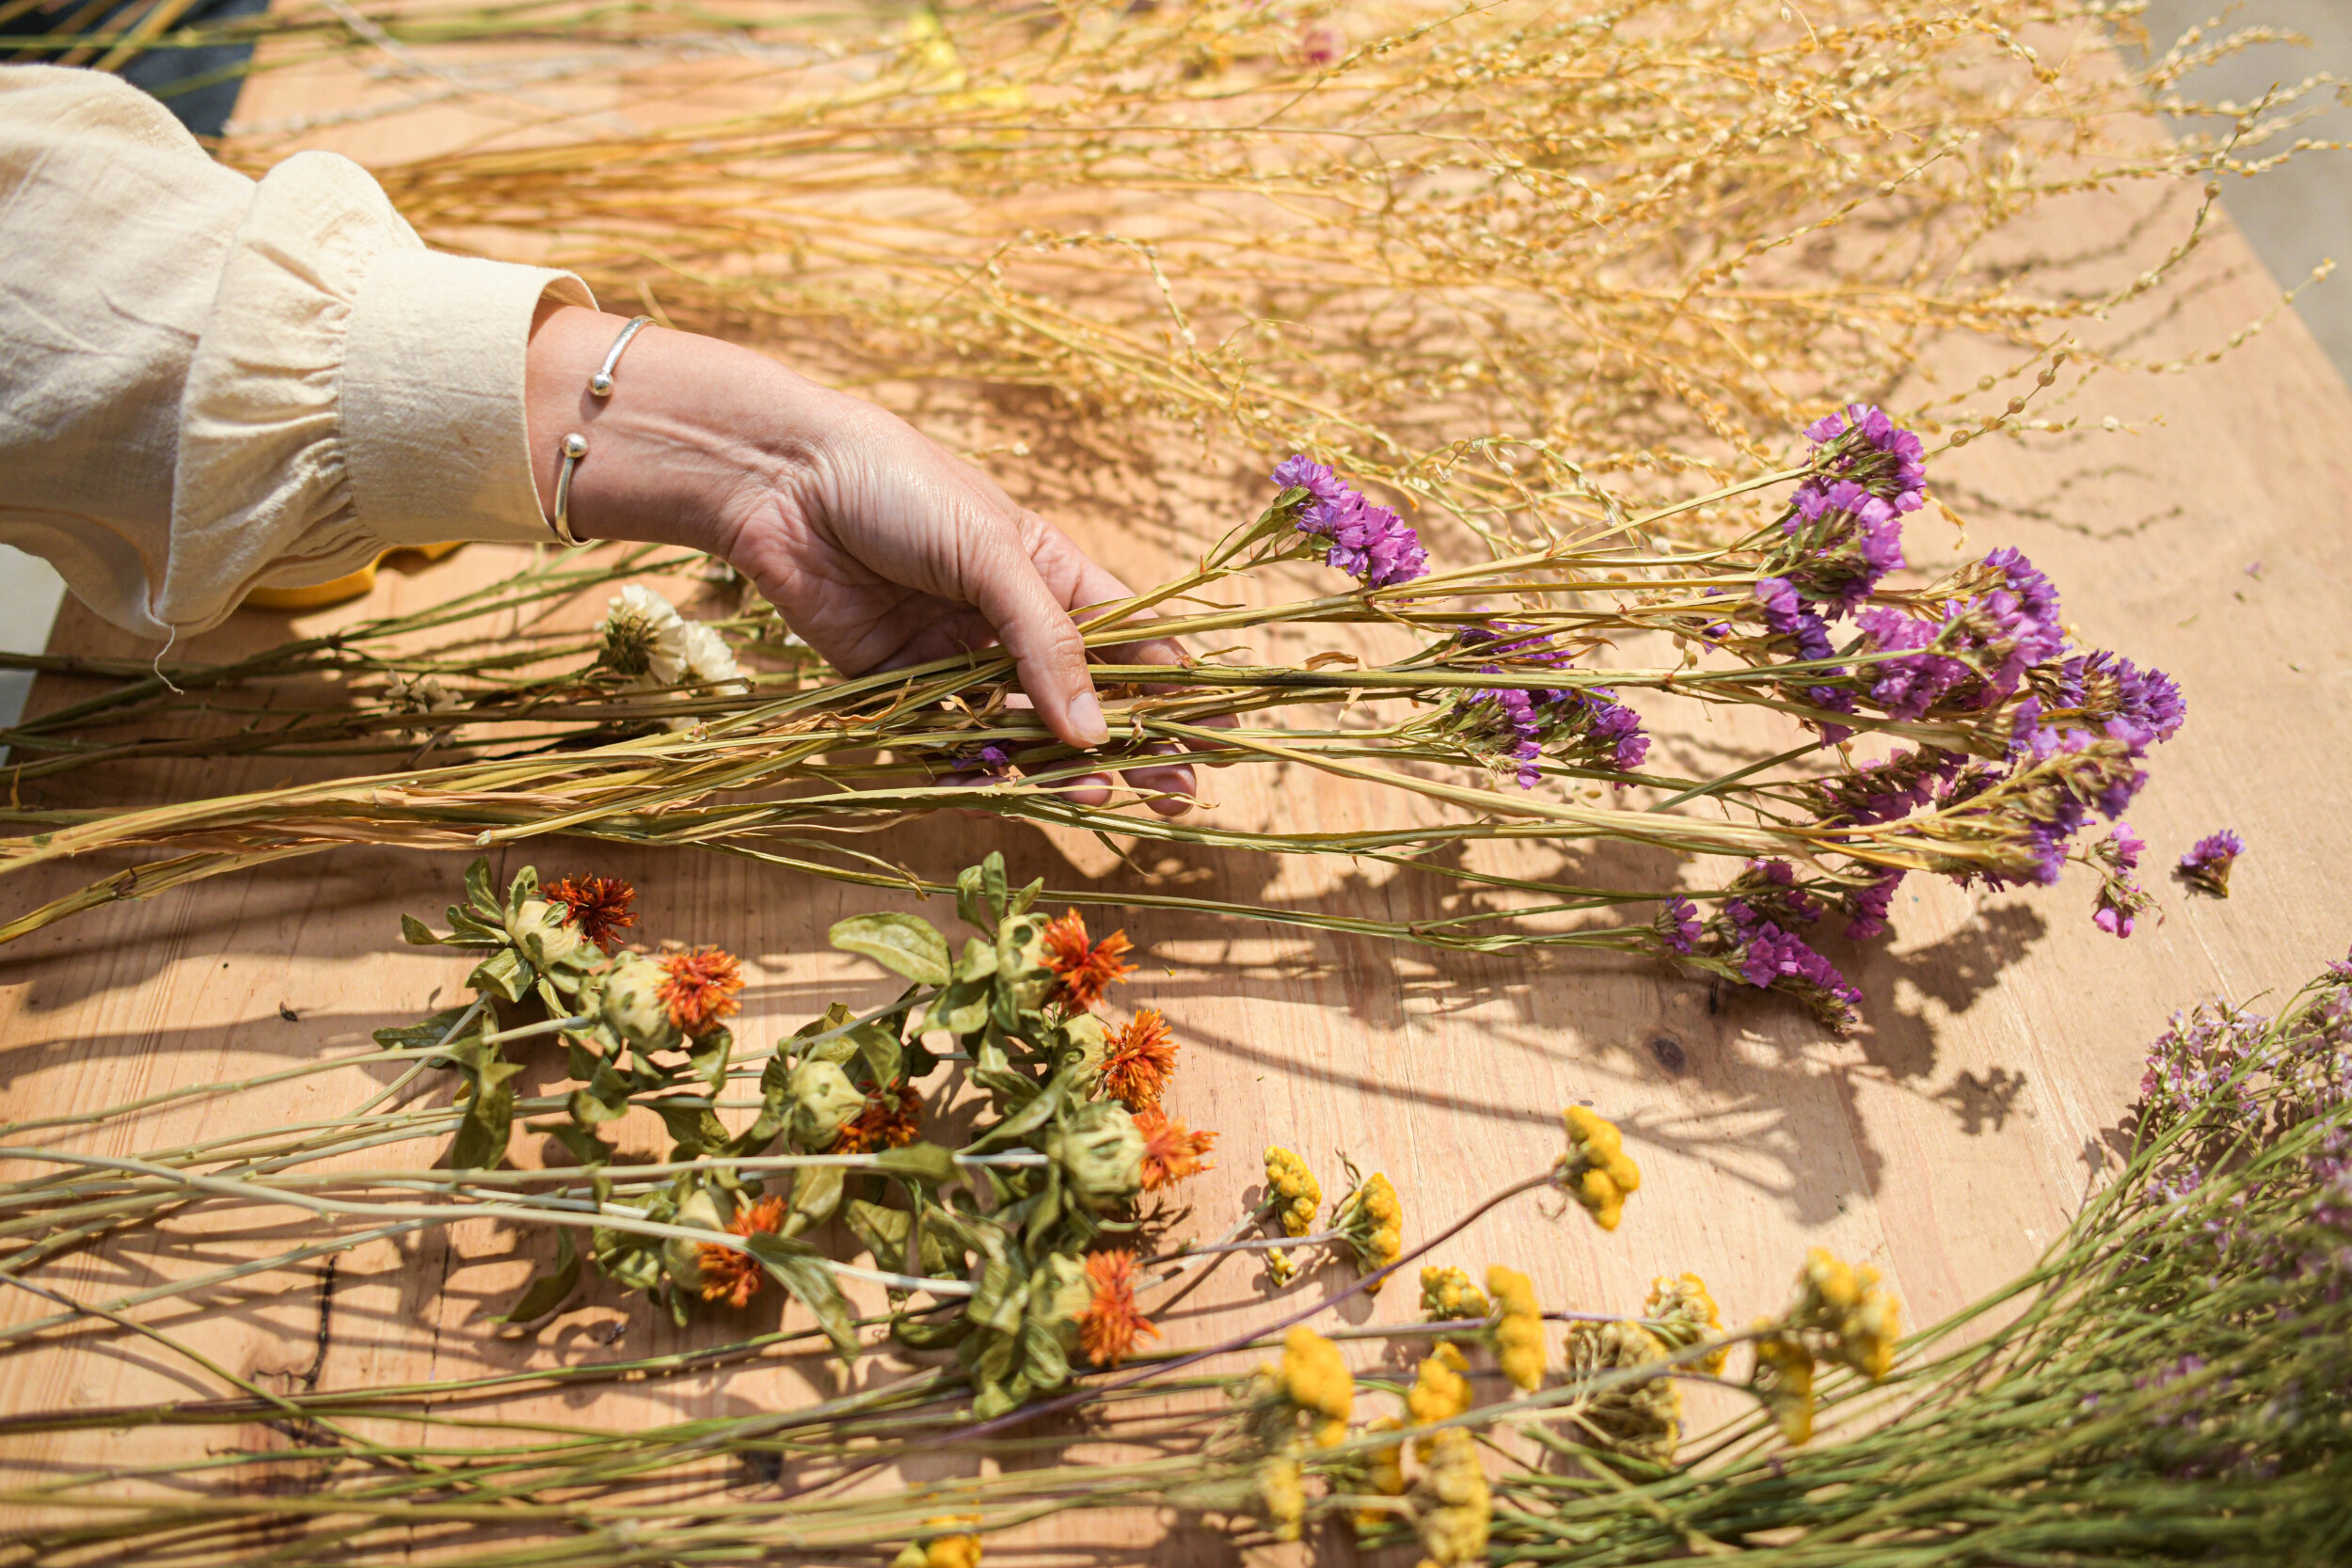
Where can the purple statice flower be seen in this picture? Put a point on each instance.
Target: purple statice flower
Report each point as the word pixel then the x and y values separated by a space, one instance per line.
pixel 2138 707
pixel 1888 790
pixel 1844 539
pixel 1868 905
pixel 1511 640
pixel 2114 916
pixel 2206 867
pixel 1767 890
pixel 1505 719
pixel 1320 483
pixel 1873 451
pixel 1770 957
pixel 2197 1070
pixel 2126 847
pixel 1677 924
pixel 1611 731
pixel 991 760
pixel 1785 612
pixel 1978 653
pixel 1367 542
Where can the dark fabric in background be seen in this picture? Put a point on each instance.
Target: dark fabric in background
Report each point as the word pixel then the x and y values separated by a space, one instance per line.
pixel 199 85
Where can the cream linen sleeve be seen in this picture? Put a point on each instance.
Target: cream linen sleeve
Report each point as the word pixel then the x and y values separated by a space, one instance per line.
pixel 209 383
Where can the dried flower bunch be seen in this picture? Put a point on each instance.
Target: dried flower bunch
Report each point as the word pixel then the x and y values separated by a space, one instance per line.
pixel 2173 1372
pixel 1950 728
pixel 1486 255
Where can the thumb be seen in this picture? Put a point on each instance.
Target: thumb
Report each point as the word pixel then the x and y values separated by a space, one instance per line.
pixel 1032 626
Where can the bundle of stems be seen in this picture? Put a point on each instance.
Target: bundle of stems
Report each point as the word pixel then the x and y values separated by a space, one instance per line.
pixel 2166 1384
pixel 2015 735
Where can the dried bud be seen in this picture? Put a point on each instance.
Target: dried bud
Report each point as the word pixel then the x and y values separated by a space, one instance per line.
pixel 1100 1150
pixel 545 935
pixel 823 1102
pixel 632 1005
pixel 681 1257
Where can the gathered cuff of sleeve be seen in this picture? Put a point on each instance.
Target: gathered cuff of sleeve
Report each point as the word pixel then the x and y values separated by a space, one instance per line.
pixel 351 392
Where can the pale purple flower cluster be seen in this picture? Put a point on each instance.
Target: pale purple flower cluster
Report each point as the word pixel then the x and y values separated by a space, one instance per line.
pixel 1509 716
pixel 1768 889
pixel 1679 924
pixel 1367 542
pixel 1885 791
pixel 1850 539
pixel 2206 867
pixel 2202 1055
pixel 2145 705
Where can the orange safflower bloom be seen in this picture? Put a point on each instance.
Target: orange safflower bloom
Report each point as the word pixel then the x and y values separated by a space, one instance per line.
pixel 1138 1060
pixel 893 1119
pixel 1169 1152
pixel 599 906
pixel 1109 1326
pixel 1083 973
pixel 700 988
pixel 730 1275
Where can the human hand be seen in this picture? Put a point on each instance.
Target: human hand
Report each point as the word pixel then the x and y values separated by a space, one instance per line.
pixel 880 549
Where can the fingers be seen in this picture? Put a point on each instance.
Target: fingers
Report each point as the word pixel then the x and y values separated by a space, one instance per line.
pixel 1035 627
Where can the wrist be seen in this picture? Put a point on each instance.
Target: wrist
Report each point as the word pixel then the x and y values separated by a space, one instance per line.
pixel 683 431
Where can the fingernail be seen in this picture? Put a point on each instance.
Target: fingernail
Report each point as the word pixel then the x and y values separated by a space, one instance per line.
pixel 1085 720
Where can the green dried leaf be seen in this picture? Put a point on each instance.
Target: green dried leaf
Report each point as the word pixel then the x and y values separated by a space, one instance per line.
pixel 424 1034
pixel 904 944
pixel 489 1124
pixel 922 1161
pixel 549 1291
pixel 816 1197
pixel 880 1231
pixel 706 1057
pixel 504 973
pixel 695 1127
pixel 795 1267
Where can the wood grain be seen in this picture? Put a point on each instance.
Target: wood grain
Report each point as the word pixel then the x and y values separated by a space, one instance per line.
pixel 1947 1143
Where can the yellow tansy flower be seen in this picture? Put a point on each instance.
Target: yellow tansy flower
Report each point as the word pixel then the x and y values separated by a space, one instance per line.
pixel 1441 1392
pixel 1596 1169
pixel 1284 1492
pixel 1316 1379
pixel 959 1550
pixel 1447 1295
pixel 1783 1379
pixel 1846 1303
pixel 1384 1473
pixel 1371 1222
pixel 1518 1330
pixel 1642 1420
pixel 1453 1506
pixel 1294 1191
pixel 1681 1314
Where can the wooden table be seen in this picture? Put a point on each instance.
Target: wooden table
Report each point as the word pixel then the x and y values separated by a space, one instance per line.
pixel 1947 1143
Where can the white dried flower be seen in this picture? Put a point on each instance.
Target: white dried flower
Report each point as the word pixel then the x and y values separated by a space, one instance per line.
pixel 644 634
